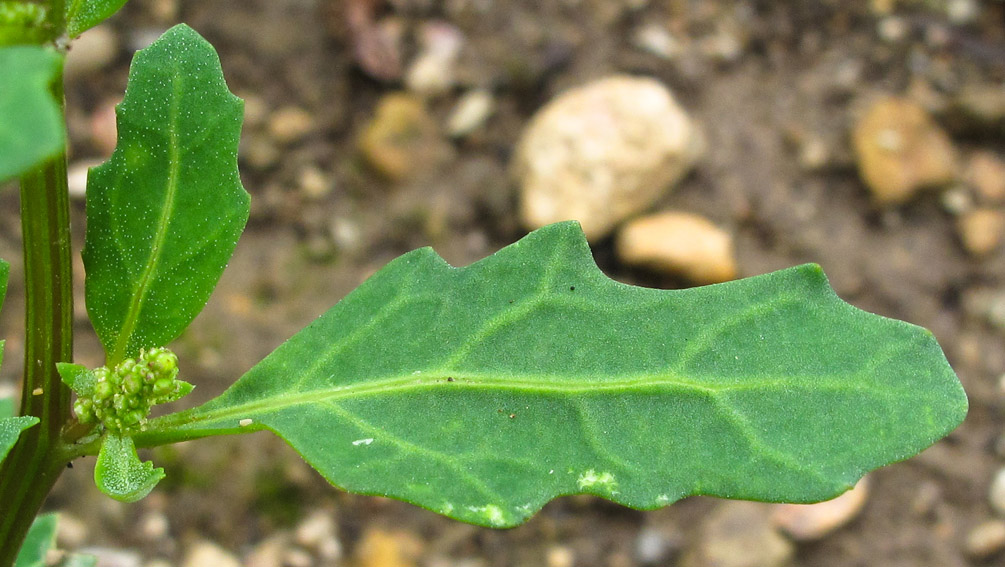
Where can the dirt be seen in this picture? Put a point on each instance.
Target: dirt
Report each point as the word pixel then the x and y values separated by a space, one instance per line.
pixel 761 78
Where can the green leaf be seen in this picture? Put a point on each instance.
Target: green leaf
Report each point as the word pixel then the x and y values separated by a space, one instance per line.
pixel 21 23
pixel 31 123
pixel 77 377
pixel 82 15
pixel 485 391
pixel 40 539
pixel 10 430
pixel 119 473
pixel 165 212
pixel 6 407
pixel 78 560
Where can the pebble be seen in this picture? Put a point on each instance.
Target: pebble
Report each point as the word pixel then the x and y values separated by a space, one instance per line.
pixel 986 173
pixel 900 150
pixel 470 113
pixel 402 140
pixel 207 554
pixel 290 124
pixel 957 200
pixel 980 106
pixel 655 546
pixel 981 230
pixel 76 177
pixel 560 556
pixel 739 534
pixel 318 533
pixel 996 495
pixel 71 531
pixel 154 526
pixel 808 522
pixel 268 553
pixel 104 127
pixel 962 12
pixel 603 152
pixel 314 183
pixel 94 50
pixel 656 40
pixel 433 72
pixel 379 548
pixel 986 539
pixel 679 243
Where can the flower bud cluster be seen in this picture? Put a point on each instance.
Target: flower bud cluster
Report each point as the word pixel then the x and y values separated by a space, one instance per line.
pixel 122 397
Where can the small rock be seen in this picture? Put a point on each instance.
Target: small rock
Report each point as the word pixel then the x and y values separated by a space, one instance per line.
pixel 470 113
pixel 679 243
pixel 957 200
pixel 317 533
pixel 807 522
pixel 433 72
pixel 986 540
pixel 402 140
pixel 296 557
pixel 208 554
pixel 560 556
pixel 314 183
pixel 962 12
pixel 892 29
pixel 901 150
pixel 603 152
pixel 986 173
pixel 655 546
pixel 94 50
pixel 165 11
pixel 290 124
pixel 980 107
pixel 981 230
pixel 379 548
pixel 657 40
pixel 814 154
pixel 259 151
pixel 154 526
pixel 377 46
pixel 739 534
pixel 71 531
pixel 256 111
pixel 76 177
pixel 268 553
pixel 104 128
pixel 996 495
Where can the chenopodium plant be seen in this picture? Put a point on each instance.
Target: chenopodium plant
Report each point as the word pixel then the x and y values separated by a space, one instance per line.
pixel 479 392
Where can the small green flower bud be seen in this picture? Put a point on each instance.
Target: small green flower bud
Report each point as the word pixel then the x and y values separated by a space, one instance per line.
pixel 163 386
pixel 132 383
pixel 103 391
pixel 83 408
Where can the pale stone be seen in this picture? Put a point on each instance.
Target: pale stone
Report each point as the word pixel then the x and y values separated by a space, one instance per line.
pixel 679 243
pixel 738 534
pixel 900 150
pixel 290 124
pixel 981 230
pixel 986 539
pixel 986 173
pixel 402 141
pixel 470 113
pixel 603 152
pixel 806 522
pixel 208 554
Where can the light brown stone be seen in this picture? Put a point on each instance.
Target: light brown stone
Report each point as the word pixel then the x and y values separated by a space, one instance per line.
pixel 981 230
pixel 603 152
pixel 901 150
pixel 807 522
pixel 679 243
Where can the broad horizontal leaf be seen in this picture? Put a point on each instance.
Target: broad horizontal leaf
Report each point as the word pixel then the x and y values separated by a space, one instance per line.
pixel 483 392
pixel 40 539
pixel 165 212
pixel 82 15
pixel 121 474
pixel 31 124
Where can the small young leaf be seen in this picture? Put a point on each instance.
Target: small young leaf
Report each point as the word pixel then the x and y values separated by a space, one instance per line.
pixel 40 539
pixel 82 15
pixel 10 430
pixel 119 473
pixel 77 377
pixel 31 124
pixel 483 392
pixel 165 212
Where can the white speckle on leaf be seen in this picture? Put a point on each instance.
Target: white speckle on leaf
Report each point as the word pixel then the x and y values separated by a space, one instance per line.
pixel 359 442
pixel 552 471
pixel 663 499
pixel 37 392
pixel 245 422
pixel 491 513
pixel 447 508
pixel 593 479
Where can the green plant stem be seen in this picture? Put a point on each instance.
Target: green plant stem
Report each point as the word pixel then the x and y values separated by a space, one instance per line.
pixel 34 464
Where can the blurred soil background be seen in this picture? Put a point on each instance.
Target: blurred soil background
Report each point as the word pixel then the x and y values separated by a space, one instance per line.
pixel 866 136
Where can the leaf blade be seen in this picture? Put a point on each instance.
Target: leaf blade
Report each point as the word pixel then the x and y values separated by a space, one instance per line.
pixel 40 539
pixel 166 210
pixel 82 15
pixel 31 128
pixel 120 473
pixel 483 392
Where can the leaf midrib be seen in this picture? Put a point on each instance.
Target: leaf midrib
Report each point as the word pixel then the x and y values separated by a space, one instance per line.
pixel 146 279
pixel 643 383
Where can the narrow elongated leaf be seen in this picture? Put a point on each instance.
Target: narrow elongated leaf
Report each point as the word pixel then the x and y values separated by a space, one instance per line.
pixel 40 539
pixel 165 212
pixel 483 392
pixel 10 426
pixel 82 15
pixel 121 474
pixel 31 124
